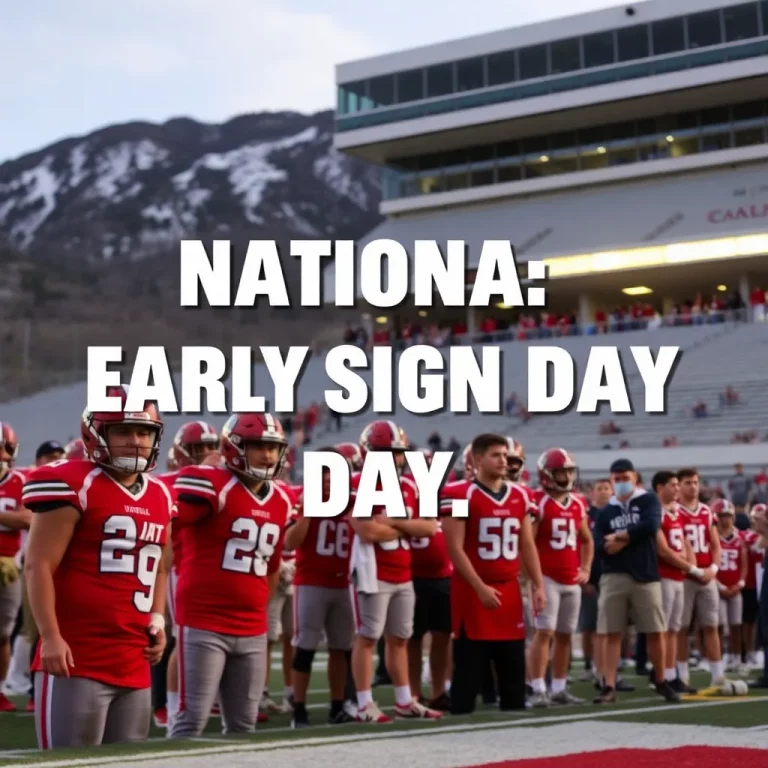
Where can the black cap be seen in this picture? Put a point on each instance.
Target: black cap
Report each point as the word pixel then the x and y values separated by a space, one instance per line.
pixel 47 448
pixel 622 465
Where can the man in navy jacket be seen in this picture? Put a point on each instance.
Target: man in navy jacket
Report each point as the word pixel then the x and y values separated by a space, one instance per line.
pixel 630 588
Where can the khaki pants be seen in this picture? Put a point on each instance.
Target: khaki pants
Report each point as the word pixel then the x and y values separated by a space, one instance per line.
pixel 622 598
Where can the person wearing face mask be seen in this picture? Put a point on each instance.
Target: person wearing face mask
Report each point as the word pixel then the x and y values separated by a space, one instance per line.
pixel 625 541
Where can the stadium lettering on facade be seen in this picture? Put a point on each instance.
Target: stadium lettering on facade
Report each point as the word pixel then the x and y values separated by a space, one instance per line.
pixel 718 216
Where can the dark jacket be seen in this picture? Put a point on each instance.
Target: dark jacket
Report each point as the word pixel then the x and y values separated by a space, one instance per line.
pixel 641 518
pixel 594 575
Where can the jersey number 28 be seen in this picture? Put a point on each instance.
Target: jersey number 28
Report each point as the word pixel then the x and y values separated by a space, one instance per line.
pixel 252 546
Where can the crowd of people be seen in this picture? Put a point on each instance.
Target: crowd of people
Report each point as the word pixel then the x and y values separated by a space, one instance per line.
pixel 180 585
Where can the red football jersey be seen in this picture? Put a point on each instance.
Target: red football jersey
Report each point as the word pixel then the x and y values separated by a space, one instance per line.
pixel 168 479
pixel 322 559
pixel 232 542
pixel 429 554
pixel 491 542
pixel 755 554
pixel 697 524
pixel 393 558
pixel 10 499
pixel 729 573
pixel 674 532
pixel 105 582
pixel 296 492
pixel 557 537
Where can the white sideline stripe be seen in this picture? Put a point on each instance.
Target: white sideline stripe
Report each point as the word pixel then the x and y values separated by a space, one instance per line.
pixel 386 732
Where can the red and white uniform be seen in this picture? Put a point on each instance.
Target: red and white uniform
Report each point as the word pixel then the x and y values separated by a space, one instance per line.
pixel 755 554
pixel 429 554
pixel 106 579
pixel 393 558
pixel 674 532
pixel 232 543
pixel 491 542
pixel 10 499
pixel 697 524
pixel 729 573
pixel 557 536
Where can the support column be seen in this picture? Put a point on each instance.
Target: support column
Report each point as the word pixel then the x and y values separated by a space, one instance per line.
pixel 586 313
pixel 471 319
pixel 744 289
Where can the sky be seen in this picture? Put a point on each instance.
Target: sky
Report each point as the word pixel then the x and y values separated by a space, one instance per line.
pixel 72 67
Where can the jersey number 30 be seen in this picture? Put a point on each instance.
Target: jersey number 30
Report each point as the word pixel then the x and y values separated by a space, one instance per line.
pixel 253 545
pixel 497 537
pixel 119 554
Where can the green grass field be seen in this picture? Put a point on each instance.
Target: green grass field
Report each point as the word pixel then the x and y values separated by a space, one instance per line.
pixel 18 743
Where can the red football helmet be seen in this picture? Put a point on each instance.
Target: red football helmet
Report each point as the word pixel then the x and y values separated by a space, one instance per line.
pixel 94 427
pixel 352 453
pixel 75 449
pixel 10 443
pixel 722 507
pixel 189 436
pixel 759 511
pixel 552 463
pixel 383 436
pixel 245 428
pixel 171 465
pixel 515 459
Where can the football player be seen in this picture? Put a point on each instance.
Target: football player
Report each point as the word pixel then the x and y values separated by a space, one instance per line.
pixel 566 549
pixel 486 549
pixel 749 593
pixel 95 570
pixel 384 605
pixel 14 519
pixel 234 521
pixel 194 443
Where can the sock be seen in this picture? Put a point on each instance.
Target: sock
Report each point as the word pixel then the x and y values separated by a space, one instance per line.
pixel 670 675
pixel 587 664
pixel 364 698
pixel 447 686
pixel 173 702
pixel 558 685
pixel 717 668
pixel 337 705
pixel 299 708
pixel 287 691
pixel 538 685
pixel 682 671
pixel 403 695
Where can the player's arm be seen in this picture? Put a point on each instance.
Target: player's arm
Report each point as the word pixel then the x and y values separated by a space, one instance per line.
pixel 587 550
pixel 744 558
pixel 454 531
pixel 49 536
pixel 17 519
pixel 296 531
pixel 717 550
pixel 196 498
pixel 372 531
pixel 669 556
pixel 529 556
pixel 417 529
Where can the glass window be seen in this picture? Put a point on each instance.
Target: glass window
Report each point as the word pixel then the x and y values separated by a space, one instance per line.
pixel 454 157
pixel 565 55
pixel 565 140
pixel 646 127
pixel 704 29
pixel 598 49
pixel 683 147
pixel 404 164
pixel 430 162
pixel 632 43
pixel 748 137
pixel 410 85
pixel 687 120
pixel 622 131
pixel 469 74
pixel 764 14
pixel 508 149
pixel 501 68
pixel 481 178
pixel 653 149
pixel 382 90
pixel 594 159
pixel 458 180
pixel 430 184
pixel 589 136
pixel 715 142
pixel 439 80
pixel 740 22
pixel 353 96
pixel 750 110
pixel 481 154
pixel 668 36
pixel 533 62
pixel 536 145
pixel 506 173
pixel 715 115
pixel 621 157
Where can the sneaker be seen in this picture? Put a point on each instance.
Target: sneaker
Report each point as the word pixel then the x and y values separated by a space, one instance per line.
pixel 623 686
pixel 539 700
pixel 30 706
pixel 287 705
pixel 608 696
pixel 341 717
pixel 441 703
pixel 665 690
pixel 267 705
pixel 161 717
pixel 416 711
pixel 371 713
pixel 6 705
pixel 588 676
pixel 565 698
pixel 215 711
pixel 678 686
pixel 261 717
pixel 350 708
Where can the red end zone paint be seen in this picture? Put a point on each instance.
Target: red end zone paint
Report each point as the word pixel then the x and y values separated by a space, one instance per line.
pixel 682 757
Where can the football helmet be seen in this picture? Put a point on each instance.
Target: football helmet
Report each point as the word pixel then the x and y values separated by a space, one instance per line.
pixel 95 424
pixel 515 459
pixel 383 436
pixel 242 429
pixel 553 463
pixel 722 507
pixel 75 449
pixel 11 445
pixel 758 511
pixel 191 434
pixel 352 453
pixel 171 465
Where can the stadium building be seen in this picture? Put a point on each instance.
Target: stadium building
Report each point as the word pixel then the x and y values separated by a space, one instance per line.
pixel 626 148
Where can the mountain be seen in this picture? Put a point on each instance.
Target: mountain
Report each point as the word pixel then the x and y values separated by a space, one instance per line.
pixel 128 191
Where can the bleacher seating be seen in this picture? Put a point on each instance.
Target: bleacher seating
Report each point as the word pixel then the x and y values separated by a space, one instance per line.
pixel 714 356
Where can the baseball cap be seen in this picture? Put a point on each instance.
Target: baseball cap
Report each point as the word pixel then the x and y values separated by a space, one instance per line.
pixel 49 447
pixel 622 465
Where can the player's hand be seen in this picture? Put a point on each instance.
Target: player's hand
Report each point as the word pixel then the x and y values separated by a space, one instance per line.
pixel 707 576
pixel 539 599
pixel 582 577
pixel 589 589
pixel 612 544
pixel 157 640
pixel 489 596
pixel 56 656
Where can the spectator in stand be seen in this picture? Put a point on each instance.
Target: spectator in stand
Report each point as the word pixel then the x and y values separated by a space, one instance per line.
pixel 381 336
pixel 435 442
pixel 739 492
pixel 757 300
pixel 760 487
pixel 700 410
pixel 729 396
pixel 311 417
